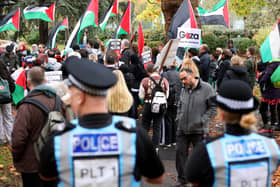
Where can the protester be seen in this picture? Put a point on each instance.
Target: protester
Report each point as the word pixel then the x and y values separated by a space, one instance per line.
pixel 231 47
pixel 224 66
pixel 251 65
pixel 84 53
pixel 193 115
pixel 52 64
pixel 134 73
pixel 189 64
pixel 237 70
pixel 145 93
pixel 6 118
pixel 10 59
pixel 173 78
pixel 213 70
pixel 155 53
pixel 126 52
pixel 218 53
pixel 119 98
pixel 239 157
pixel 130 154
pixel 204 62
pixel 192 53
pixel 28 124
pixel 93 47
pixel 111 60
pixel 270 98
pixel 42 48
pixel 34 50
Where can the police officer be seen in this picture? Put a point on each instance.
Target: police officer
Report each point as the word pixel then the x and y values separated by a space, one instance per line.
pixel 239 157
pixel 98 149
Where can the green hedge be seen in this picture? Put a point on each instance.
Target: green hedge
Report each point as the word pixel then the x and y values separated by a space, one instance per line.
pixel 242 44
pixel 214 41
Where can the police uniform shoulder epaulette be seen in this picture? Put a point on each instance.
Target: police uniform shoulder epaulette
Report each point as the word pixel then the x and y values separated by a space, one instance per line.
pixel 125 126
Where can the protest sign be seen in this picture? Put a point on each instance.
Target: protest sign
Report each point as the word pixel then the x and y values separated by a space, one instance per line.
pixel 189 37
pixel 146 58
pixel 53 76
pixel 115 45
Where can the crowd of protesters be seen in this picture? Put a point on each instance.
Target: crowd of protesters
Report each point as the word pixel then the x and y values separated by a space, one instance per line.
pixel 188 86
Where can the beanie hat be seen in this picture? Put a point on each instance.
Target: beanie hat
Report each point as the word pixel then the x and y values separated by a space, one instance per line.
pixel 236 96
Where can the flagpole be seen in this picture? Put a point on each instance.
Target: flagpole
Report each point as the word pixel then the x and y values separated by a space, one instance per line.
pixel 130 20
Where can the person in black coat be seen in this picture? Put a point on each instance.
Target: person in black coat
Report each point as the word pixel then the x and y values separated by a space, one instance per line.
pixel 133 72
pixel 175 86
pixel 224 66
pixel 205 60
pixel 126 51
pixel 237 71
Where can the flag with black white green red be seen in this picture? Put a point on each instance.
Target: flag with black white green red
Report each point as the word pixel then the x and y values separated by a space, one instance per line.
pixel 270 49
pixel 112 11
pixel 40 12
pixel 89 18
pixel 62 25
pixel 10 21
pixel 184 17
pixel 124 27
pixel 218 15
pixel 20 86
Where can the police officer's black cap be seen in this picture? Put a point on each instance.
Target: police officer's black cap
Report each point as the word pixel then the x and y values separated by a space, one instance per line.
pixel 90 77
pixel 236 96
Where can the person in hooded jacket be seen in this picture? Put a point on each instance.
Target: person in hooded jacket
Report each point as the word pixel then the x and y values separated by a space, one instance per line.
pixel 133 72
pixel 224 66
pixel 237 71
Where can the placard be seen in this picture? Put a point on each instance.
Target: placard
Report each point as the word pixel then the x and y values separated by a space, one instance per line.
pixel 115 45
pixel 53 76
pixel 189 37
pixel 146 58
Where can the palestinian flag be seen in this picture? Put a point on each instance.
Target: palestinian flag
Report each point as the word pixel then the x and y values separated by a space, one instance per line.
pixel 140 39
pixel 270 49
pixel 217 16
pixel 184 17
pixel 124 27
pixel 62 25
pixel 112 11
pixel 89 18
pixel 18 94
pixel 40 12
pixel 10 21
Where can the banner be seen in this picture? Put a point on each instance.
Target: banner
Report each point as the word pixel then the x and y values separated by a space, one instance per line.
pixel 115 45
pixel 146 58
pixel 168 54
pixel 189 37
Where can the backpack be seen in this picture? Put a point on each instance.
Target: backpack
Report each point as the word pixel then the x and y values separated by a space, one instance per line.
pixel 54 122
pixel 275 77
pixel 5 94
pixel 158 99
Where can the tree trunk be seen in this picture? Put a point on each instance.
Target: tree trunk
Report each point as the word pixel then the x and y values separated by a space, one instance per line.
pixel 170 7
pixel 43 30
pixel 43 25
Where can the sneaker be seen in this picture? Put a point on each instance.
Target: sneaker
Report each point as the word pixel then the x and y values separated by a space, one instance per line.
pixel 157 150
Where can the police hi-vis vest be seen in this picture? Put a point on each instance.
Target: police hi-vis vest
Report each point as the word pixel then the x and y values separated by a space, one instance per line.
pixel 102 157
pixel 243 161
